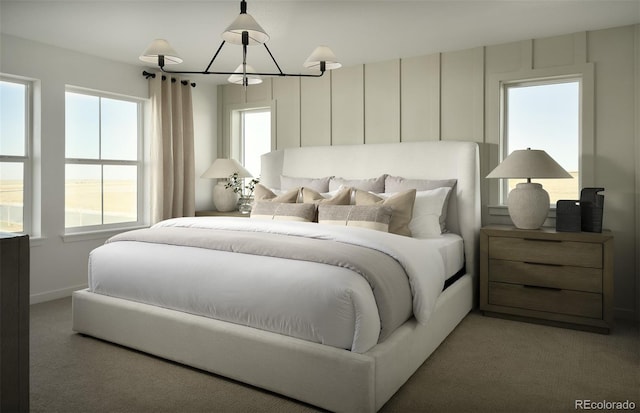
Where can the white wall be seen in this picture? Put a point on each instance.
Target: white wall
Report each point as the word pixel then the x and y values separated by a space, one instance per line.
pixel 455 96
pixel 59 266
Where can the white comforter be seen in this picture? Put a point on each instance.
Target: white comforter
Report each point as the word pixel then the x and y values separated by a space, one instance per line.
pixel 211 282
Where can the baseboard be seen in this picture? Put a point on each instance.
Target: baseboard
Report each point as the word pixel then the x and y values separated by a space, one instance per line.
pixel 55 294
pixel 625 314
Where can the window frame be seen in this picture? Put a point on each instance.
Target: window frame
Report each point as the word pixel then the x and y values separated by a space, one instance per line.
pixel 495 124
pixel 27 158
pixel 504 116
pixel 235 145
pixel 138 163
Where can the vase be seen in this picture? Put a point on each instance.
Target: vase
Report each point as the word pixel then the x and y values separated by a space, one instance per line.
pixel 245 204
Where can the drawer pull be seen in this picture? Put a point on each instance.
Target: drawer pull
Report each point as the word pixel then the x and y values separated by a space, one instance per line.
pixel 537 287
pixel 542 240
pixel 543 264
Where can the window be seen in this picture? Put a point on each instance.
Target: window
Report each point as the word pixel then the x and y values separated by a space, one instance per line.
pixel 103 160
pixel 545 114
pixel 253 137
pixel 15 168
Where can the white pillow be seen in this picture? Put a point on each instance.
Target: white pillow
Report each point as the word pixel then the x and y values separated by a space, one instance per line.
pixel 427 209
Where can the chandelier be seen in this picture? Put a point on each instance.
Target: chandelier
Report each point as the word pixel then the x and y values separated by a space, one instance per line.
pixel 245 31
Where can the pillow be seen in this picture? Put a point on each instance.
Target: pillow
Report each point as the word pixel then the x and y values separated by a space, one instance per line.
pixel 427 210
pixel 375 185
pixel 317 184
pixel 284 211
pixel 375 217
pixel 339 197
pixel 398 184
pixel 401 205
pixel 262 193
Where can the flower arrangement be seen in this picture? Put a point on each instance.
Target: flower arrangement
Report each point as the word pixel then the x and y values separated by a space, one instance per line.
pixel 237 183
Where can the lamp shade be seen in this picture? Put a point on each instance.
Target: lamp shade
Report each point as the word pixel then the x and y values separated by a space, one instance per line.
pixel 160 47
pixel 322 54
pixel 528 203
pixel 251 79
pixel 529 163
pixel 245 23
pixel 224 168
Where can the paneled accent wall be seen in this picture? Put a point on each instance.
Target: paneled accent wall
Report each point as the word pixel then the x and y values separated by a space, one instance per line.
pixel 382 102
pixel 455 95
pixel 315 111
pixel 420 98
pixel 347 106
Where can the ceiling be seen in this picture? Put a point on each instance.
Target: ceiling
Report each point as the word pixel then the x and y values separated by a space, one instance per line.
pixel 357 31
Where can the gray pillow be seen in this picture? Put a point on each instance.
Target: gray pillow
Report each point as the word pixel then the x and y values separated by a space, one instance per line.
pixel 375 185
pixel 399 184
pixel 317 184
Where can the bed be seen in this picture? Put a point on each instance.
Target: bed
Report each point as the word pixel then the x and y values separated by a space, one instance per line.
pixel 356 373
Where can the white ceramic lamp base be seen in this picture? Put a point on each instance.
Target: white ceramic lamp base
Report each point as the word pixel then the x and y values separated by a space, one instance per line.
pixel 528 205
pixel 224 199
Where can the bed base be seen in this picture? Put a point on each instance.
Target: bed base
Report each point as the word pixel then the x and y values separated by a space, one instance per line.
pixel 331 378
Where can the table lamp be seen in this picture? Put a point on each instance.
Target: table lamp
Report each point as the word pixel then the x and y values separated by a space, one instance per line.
pixel 225 199
pixel 528 202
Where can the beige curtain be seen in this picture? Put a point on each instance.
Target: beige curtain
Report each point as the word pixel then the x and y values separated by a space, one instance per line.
pixel 172 157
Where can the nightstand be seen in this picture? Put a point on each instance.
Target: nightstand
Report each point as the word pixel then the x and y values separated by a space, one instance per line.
pixel 559 278
pixel 221 214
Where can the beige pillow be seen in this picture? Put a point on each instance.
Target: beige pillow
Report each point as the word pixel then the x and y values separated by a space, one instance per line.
pixel 375 217
pixel 284 211
pixel 401 205
pixel 341 197
pixel 262 193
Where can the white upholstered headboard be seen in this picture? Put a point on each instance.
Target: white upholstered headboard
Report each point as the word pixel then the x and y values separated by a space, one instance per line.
pixel 432 159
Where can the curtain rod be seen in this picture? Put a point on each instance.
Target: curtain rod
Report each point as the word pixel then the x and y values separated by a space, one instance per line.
pixel 173 79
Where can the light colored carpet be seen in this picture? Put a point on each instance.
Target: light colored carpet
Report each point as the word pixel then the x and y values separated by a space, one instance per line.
pixel 485 365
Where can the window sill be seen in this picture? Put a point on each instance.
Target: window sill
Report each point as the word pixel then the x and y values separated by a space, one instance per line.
pixel 98 234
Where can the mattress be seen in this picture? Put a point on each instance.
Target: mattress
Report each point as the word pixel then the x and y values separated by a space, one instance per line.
pixel 314 301
pixel 451 247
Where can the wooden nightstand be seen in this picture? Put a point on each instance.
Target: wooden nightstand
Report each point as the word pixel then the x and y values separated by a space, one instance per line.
pixel 221 214
pixel 558 278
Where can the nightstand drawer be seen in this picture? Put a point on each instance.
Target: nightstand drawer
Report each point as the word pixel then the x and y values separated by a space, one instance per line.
pixel 574 303
pixel 544 275
pixel 580 254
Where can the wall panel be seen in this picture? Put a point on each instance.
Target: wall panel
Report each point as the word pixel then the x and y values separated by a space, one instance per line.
pixel 614 159
pixel 420 98
pixel 347 105
pixel 315 111
pixel 553 51
pixel 462 95
pixel 260 92
pixel 382 102
pixel 286 93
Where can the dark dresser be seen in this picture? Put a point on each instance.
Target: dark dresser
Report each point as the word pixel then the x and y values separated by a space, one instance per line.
pixel 14 322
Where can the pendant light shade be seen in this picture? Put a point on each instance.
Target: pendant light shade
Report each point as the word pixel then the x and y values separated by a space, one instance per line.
pixel 322 54
pixel 157 48
pixel 245 23
pixel 238 76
